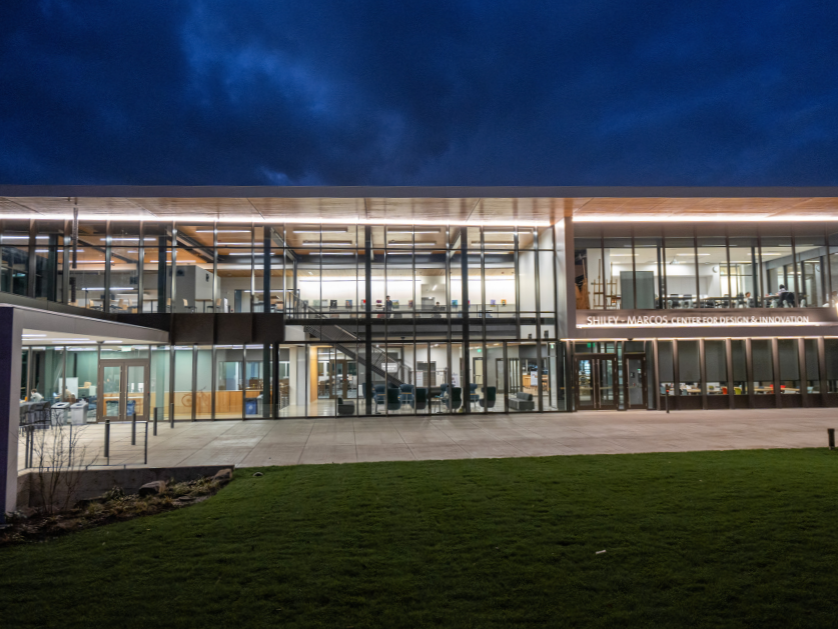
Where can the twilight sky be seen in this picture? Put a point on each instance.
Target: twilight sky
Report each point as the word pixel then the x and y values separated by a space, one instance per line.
pixel 400 92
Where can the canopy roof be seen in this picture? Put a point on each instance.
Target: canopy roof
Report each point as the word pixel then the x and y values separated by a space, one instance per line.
pixel 418 205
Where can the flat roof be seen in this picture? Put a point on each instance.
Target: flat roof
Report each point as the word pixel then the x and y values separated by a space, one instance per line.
pixel 417 205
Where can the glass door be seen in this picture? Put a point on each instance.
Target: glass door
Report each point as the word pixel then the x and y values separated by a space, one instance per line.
pixel 124 386
pixel 110 378
pixel 596 382
pixel 585 384
pixel 635 378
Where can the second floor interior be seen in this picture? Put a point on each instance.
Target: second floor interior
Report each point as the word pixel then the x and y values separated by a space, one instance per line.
pixel 490 260
pixel 303 271
pixel 678 265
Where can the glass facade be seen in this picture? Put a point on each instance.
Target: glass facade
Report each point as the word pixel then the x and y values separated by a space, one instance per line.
pixel 415 320
pixel 684 266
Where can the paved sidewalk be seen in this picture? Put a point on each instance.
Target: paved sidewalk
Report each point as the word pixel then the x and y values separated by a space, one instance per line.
pixel 333 440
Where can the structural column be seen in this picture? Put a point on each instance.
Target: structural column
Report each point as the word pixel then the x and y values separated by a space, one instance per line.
pixel 10 350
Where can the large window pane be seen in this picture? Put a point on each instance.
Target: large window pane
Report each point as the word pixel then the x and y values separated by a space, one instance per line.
pixel 744 272
pixel 680 266
pixel 714 287
pixel 689 370
pixel 229 382
pixel 763 362
pixel 183 393
pixel 789 367
pixel 778 272
pixel 740 374
pixel 810 249
pixel 716 364
pixel 813 382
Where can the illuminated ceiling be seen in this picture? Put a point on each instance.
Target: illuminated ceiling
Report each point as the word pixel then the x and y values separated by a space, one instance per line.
pixel 417 206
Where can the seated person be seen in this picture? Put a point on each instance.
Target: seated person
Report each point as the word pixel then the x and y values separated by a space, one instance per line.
pixel 34 396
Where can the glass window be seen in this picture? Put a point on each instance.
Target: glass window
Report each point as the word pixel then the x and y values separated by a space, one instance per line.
pixel 666 368
pixel 588 268
pixel 183 394
pixel 14 273
pixel 713 274
pixel 810 249
pixel 648 261
pixel 159 381
pixel 744 272
pixel 680 268
pixel 293 374
pixel 257 368
pixel 762 357
pixel 789 366
pixel 813 381
pixel 689 371
pixel 740 374
pixel 618 271
pixel 831 358
pixel 778 272
pixel 229 382
pixel 157 271
pixel 716 364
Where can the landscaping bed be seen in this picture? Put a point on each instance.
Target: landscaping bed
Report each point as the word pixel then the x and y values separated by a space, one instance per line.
pixel 38 525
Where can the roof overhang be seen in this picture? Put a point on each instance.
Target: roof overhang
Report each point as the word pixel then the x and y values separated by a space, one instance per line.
pixel 484 205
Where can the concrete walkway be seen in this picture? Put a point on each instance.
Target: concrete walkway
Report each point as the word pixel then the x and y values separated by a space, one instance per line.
pixel 333 440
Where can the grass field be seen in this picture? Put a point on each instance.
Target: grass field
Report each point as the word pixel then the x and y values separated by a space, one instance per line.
pixel 703 539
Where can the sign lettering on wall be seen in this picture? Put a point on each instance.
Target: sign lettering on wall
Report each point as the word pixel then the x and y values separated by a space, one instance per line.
pixel 672 320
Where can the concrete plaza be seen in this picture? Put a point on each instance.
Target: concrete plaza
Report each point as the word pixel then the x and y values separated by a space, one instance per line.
pixel 340 440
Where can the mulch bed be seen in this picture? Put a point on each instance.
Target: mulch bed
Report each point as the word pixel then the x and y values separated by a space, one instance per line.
pixel 114 506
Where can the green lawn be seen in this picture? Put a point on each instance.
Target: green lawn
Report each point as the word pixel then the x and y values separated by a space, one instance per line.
pixel 705 539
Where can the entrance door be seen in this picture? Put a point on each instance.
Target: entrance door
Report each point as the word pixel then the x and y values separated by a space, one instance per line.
pixel 596 382
pixel 635 379
pixel 124 387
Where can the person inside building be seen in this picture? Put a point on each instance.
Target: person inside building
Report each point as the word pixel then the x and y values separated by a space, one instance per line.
pixel 786 297
pixel 34 396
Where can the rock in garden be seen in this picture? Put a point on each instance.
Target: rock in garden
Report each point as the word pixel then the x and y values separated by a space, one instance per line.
pixel 153 488
pixel 223 476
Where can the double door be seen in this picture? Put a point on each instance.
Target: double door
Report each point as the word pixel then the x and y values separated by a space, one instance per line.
pixel 596 381
pixel 123 386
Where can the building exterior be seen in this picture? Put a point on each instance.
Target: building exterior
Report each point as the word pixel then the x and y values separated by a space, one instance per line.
pixel 234 303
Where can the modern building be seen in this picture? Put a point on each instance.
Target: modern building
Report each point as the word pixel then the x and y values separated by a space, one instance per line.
pixel 213 303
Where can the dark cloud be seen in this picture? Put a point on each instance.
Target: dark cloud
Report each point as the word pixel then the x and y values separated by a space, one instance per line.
pixel 434 92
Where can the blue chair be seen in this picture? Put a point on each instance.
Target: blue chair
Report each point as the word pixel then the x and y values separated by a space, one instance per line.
pixel 406 394
pixel 379 394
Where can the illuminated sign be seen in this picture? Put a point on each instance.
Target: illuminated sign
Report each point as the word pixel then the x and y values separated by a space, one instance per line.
pixel 634 320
